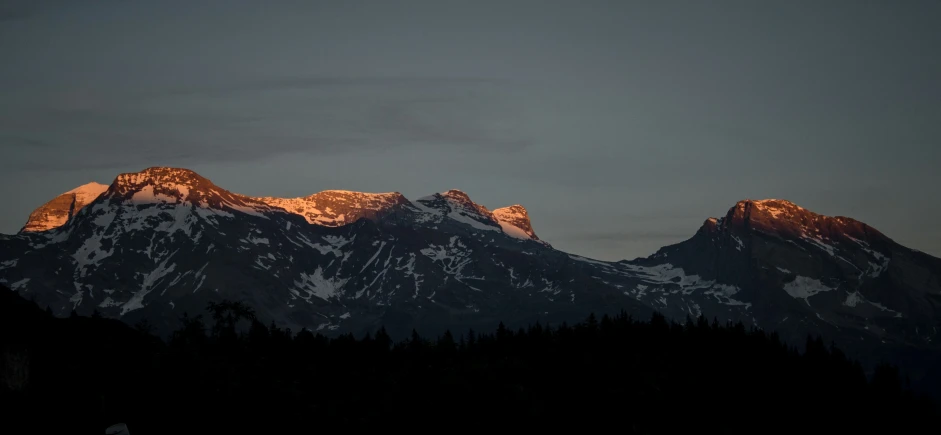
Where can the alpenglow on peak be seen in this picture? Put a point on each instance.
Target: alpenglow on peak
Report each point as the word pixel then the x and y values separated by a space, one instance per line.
pixel 60 209
pixel 332 208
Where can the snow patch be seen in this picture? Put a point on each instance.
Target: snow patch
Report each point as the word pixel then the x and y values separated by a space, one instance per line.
pixel 409 269
pixel 514 231
pixel 316 284
pixel 803 288
pixel 853 299
pixel 147 285
pixel 9 263
pixel 453 258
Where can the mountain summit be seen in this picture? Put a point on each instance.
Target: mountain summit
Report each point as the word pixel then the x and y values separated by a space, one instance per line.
pixel 161 185
pixel 790 221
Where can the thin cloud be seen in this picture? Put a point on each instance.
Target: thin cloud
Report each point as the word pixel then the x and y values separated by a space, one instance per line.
pixel 15 10
pixel 626 236
pixel 289 83
pixel 224 123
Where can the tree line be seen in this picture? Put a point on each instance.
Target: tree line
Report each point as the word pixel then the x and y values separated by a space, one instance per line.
pixel 225 370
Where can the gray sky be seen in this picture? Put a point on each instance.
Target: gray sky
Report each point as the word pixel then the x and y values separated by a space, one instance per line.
pixel 620 125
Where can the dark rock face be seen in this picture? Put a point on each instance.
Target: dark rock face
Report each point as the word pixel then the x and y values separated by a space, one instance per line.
pixel 166 241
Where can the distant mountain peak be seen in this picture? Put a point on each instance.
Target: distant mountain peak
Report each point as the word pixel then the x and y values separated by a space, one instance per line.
pixel 515 221
pixel 785 220
pixel 62 208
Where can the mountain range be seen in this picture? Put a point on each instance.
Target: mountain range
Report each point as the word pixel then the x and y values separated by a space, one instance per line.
pixel 164 241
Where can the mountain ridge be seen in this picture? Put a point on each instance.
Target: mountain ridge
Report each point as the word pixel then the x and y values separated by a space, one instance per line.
pixel 339 207
pixel 162 243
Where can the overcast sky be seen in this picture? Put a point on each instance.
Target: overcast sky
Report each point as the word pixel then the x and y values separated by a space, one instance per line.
pixel 621 126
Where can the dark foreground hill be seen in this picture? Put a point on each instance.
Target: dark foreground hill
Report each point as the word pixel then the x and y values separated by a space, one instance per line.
pixel 81 374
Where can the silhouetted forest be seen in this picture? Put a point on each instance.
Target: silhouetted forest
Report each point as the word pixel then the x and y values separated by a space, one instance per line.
pixel 225 372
